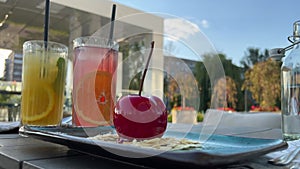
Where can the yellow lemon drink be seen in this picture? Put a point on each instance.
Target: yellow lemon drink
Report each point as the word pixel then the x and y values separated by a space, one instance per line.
pixel 43 81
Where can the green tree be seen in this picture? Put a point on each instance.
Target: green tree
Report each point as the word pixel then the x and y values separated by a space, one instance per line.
pixel 4 98
pixel 225 87
pixel 253 56
pixel 204 85
pixel 234 72
pixel 180 86
pixel 187 91
pixel 172 92
pixel 132 50
pixel 263 81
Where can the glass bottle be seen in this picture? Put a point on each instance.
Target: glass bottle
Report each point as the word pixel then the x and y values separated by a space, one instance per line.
pixel 290 87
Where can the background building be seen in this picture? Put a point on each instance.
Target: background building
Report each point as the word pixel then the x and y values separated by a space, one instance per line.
pixel 23 20
pixel 13 68
pixel 8 70
pixel 17 67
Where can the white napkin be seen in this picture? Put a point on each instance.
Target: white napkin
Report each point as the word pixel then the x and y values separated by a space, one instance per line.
pixel 292 145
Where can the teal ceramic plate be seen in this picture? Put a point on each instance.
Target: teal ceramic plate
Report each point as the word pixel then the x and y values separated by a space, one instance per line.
pixel 218 150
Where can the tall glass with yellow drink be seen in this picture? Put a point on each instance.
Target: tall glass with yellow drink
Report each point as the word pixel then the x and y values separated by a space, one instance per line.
pixel 43 82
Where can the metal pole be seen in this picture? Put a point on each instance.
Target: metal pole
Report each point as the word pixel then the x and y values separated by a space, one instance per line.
pixel 245 100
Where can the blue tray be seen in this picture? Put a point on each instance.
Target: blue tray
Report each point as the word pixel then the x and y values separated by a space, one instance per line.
pixel 216 151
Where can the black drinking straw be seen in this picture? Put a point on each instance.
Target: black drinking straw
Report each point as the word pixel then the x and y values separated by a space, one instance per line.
pixel 112 25
pixel 46 22
pixel 145 69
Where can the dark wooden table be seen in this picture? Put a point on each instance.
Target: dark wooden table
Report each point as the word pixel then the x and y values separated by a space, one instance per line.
pixel 18 152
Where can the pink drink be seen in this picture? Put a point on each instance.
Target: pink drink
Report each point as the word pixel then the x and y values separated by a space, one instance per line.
pixel 93 85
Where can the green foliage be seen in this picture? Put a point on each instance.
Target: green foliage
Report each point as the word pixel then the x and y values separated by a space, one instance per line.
pixel 253 56
pixel 224 93
pixel 171 91
pixel 133 61
pixel 204 80
pixel 263 80
pixel 203 84
pixel 185 83
pixel 200 117
pixel 134 83
pixel 175 100
pixel 14 99
pixel 4 98
pixel 170 118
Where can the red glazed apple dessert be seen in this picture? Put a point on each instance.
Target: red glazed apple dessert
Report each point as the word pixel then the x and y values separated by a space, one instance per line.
pixel 139 117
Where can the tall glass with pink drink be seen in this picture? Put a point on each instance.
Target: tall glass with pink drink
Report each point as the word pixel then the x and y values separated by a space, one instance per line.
pixel 94 89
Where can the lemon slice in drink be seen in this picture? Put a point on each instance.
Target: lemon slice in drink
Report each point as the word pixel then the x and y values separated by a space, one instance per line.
pixel 39 103
pixel 93 98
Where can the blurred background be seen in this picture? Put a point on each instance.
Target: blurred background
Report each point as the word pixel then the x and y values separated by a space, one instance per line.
pixel 247 88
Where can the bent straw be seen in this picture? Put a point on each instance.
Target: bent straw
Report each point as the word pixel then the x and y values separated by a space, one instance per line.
pixel 46 22
pixel 112 25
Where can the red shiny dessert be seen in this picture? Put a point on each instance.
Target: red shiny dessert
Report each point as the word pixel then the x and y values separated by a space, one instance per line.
pixel 138 117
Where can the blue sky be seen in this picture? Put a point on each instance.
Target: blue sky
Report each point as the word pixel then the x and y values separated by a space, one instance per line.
pixel 232 26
